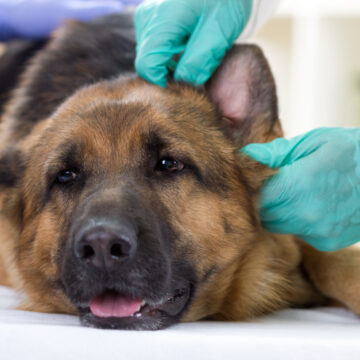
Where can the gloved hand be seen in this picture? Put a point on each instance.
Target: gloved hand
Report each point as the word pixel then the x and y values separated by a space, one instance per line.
pixel 203 29
pixel 316 192
pixel 37 18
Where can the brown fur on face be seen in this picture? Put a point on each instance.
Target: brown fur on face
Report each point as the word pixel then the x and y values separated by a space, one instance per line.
pixel 103 140
pixel 114 133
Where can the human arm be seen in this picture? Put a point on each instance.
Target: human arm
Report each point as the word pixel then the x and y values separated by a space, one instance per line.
pixel 37 18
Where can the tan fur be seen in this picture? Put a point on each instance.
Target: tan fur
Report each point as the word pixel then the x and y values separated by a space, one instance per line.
pixel 244 270
pixel 335 274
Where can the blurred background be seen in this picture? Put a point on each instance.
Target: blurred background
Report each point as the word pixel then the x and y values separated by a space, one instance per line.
pixel 314 50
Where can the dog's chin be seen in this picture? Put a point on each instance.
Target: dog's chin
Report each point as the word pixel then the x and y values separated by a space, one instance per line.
pixel 113 310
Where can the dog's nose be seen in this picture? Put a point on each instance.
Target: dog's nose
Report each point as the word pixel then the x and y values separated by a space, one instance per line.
pixel 105 246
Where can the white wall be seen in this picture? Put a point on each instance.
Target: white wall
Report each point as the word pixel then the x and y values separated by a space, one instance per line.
pixel 314 50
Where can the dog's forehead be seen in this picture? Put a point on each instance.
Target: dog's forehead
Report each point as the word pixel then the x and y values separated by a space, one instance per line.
pixel 128 115
pixel 128 104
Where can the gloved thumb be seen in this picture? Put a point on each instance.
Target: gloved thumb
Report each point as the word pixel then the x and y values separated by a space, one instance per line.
pixel 281 151
pixel 273 154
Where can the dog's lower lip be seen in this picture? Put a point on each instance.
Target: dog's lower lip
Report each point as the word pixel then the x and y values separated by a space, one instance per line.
pixel 148 309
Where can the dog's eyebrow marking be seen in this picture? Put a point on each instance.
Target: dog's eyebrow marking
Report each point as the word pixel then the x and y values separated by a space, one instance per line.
pixel 155 143
pixel 68 154
pixel 63 155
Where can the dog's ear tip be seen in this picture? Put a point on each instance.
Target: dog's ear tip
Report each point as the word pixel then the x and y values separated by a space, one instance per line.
pixel 243 89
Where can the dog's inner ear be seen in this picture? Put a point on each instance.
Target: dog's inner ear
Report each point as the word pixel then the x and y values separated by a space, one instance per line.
pixel 11 168
pixel 244 91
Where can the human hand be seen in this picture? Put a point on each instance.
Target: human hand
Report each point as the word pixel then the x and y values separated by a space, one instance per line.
pixel 203 29
pixel 316 192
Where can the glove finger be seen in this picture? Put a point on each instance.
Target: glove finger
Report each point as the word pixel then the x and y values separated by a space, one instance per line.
pixel 160 37
pixel 200 58
pixel 207 46
pixel 272 154
pixel 275 211
pixel 287 202
pixel 281 151
pixel 143 15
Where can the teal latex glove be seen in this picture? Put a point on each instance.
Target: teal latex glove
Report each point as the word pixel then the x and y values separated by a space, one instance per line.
pixel 316 192
pixel 203 29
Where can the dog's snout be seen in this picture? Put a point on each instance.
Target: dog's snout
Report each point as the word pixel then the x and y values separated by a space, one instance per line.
pixel 105 246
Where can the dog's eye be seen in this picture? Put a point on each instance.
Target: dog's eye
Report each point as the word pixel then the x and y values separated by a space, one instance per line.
pixel 66 177
pixel 169 165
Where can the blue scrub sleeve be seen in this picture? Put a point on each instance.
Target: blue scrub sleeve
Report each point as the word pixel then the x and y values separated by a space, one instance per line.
pixel 37 18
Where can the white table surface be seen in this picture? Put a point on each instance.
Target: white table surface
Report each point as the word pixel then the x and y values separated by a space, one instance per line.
pixel 322 333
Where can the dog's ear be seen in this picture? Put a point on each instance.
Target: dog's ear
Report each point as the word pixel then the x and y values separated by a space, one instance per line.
pixel 11 168
pixel 244 91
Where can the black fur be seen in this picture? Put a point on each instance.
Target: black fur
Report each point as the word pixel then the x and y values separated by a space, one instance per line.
pixel 11 168
pixel 101 49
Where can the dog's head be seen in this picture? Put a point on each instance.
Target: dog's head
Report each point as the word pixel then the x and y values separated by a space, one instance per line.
pixel 133 205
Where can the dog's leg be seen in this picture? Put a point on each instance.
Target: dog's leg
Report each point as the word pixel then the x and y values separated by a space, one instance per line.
pixel 335 274
pixel 4 254
pixel 269 278
pixel 3 276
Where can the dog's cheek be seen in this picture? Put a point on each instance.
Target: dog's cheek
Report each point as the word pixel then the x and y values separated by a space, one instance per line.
pixel 211 294
pixel 207 238
pixel 37 262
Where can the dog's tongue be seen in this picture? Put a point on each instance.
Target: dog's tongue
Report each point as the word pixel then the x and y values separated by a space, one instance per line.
pixel 112 304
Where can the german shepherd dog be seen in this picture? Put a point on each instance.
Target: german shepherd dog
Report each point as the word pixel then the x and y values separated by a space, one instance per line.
pixel 129 204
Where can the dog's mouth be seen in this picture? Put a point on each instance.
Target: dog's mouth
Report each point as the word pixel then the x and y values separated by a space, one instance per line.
pixel 114 310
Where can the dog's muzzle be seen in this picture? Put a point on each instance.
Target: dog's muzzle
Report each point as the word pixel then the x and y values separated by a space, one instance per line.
pixel 118 267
